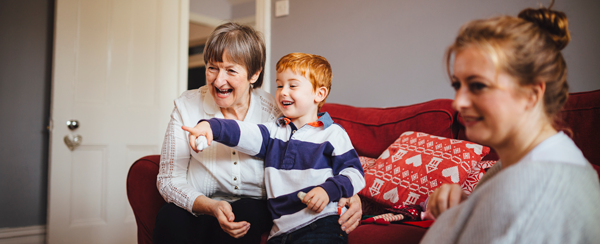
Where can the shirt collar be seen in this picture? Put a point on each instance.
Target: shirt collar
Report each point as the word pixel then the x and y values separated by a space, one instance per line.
pixel 211 108
pixel 324 120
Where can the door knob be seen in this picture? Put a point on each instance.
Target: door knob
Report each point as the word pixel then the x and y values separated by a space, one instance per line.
pixel 72 124
pixel 72 141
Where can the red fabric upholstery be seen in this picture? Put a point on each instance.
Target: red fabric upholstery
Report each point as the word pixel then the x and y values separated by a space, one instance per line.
pixel 381 234
pixel 143 195
pixel 372 130
pixel 597 168
pixel 581 114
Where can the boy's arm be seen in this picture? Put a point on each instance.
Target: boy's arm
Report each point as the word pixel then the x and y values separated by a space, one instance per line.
pixel 248 138
pixel 348 174
pixel 201 133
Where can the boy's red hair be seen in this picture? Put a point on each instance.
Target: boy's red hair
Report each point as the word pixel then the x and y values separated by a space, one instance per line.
pixel 314 67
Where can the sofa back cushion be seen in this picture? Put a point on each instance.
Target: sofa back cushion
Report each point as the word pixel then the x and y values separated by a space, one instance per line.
pixel 581 115
pixel 372 130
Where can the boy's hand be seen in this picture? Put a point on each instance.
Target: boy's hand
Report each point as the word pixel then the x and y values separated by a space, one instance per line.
pixel 201 129
pixel 316 199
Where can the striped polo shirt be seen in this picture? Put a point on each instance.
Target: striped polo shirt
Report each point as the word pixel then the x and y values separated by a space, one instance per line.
pixel 297 159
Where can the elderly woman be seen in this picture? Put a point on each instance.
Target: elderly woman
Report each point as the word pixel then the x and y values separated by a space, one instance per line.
pixel 218 195
pixel 510 81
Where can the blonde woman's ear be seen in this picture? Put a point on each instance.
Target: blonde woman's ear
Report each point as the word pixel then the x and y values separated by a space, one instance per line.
pixel 536 96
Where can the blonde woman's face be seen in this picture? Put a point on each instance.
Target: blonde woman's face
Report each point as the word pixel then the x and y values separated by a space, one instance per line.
pixel 487 99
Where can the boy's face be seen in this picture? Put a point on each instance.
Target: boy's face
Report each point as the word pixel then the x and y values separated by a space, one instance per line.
pixel 296 97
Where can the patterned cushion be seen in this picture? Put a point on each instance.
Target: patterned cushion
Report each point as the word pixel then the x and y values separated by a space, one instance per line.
pixel 366 162
pixel 476 175
pixel 417 163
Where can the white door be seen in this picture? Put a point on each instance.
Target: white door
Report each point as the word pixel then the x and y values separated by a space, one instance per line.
pixel 118 65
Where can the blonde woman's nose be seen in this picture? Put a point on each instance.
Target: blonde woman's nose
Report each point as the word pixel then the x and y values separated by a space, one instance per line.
pixel 461 99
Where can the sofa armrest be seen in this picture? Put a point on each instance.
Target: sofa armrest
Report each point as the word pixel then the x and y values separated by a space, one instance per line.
pixel 144 198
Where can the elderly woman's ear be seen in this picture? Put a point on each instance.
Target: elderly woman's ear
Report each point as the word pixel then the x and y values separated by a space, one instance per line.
pixel 254 77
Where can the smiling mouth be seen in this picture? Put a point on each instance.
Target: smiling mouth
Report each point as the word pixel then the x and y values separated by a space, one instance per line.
pixel 286 103
pixel 470 120
pixel 223 92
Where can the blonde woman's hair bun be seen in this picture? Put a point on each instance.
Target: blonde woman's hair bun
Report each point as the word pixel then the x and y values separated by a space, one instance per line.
pixel 554 23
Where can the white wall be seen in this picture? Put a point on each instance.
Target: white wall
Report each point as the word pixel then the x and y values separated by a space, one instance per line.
pixel 389 53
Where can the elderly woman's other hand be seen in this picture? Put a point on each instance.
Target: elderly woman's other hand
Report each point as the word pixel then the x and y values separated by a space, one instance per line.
pixel 224 214
pixel 351 218
pixel 445 197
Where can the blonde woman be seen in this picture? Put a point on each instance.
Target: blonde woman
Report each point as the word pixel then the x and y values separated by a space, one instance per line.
pixel 510 81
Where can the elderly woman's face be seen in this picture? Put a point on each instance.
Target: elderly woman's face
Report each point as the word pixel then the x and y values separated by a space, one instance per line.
pixel 488 100
pixel 228 83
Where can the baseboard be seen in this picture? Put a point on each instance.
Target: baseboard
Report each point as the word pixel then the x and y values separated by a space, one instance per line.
pixel 23 235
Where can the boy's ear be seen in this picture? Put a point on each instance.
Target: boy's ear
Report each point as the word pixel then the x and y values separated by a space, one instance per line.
pixel 254 77
pixel 321 93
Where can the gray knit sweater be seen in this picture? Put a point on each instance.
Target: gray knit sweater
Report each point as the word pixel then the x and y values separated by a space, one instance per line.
pixel 537 200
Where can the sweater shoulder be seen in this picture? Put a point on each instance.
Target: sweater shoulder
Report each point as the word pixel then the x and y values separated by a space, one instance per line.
pixel 267 103
pixel 542 183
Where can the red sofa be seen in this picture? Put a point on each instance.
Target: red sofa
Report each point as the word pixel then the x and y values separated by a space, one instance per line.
pixel 372 130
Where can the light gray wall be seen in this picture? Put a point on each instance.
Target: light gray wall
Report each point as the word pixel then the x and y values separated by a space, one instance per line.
pixel 389 53
pixel 243 10
pixel 220 9
pixel 25 70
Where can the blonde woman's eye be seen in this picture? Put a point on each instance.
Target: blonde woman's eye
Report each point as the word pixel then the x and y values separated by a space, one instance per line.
pixel 476 86
pixel 455 85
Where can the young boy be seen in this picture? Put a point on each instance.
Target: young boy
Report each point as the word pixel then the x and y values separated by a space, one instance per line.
pixel 303 152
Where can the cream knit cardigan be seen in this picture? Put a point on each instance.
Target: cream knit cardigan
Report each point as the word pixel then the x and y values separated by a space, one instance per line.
pixel 541 199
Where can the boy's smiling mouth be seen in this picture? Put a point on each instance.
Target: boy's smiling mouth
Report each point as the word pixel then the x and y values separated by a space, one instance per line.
pixel 286 103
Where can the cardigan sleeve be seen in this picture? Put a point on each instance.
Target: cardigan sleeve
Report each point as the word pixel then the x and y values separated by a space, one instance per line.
pixel 174 160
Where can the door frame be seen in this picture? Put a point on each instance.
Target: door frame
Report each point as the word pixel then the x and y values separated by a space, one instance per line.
pixel 261 22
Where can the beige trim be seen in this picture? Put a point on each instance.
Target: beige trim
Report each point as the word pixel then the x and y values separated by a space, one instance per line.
pixel 263 24
pixel 196 61
pixel 184 32
pixel 205 20
pixel 24 235
pixel 236 2
pixel 250 20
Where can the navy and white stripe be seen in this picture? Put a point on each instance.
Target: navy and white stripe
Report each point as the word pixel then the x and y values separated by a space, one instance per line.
pixel 297 160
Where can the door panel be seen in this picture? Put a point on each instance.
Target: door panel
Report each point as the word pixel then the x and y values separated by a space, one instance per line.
pixel 116 70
